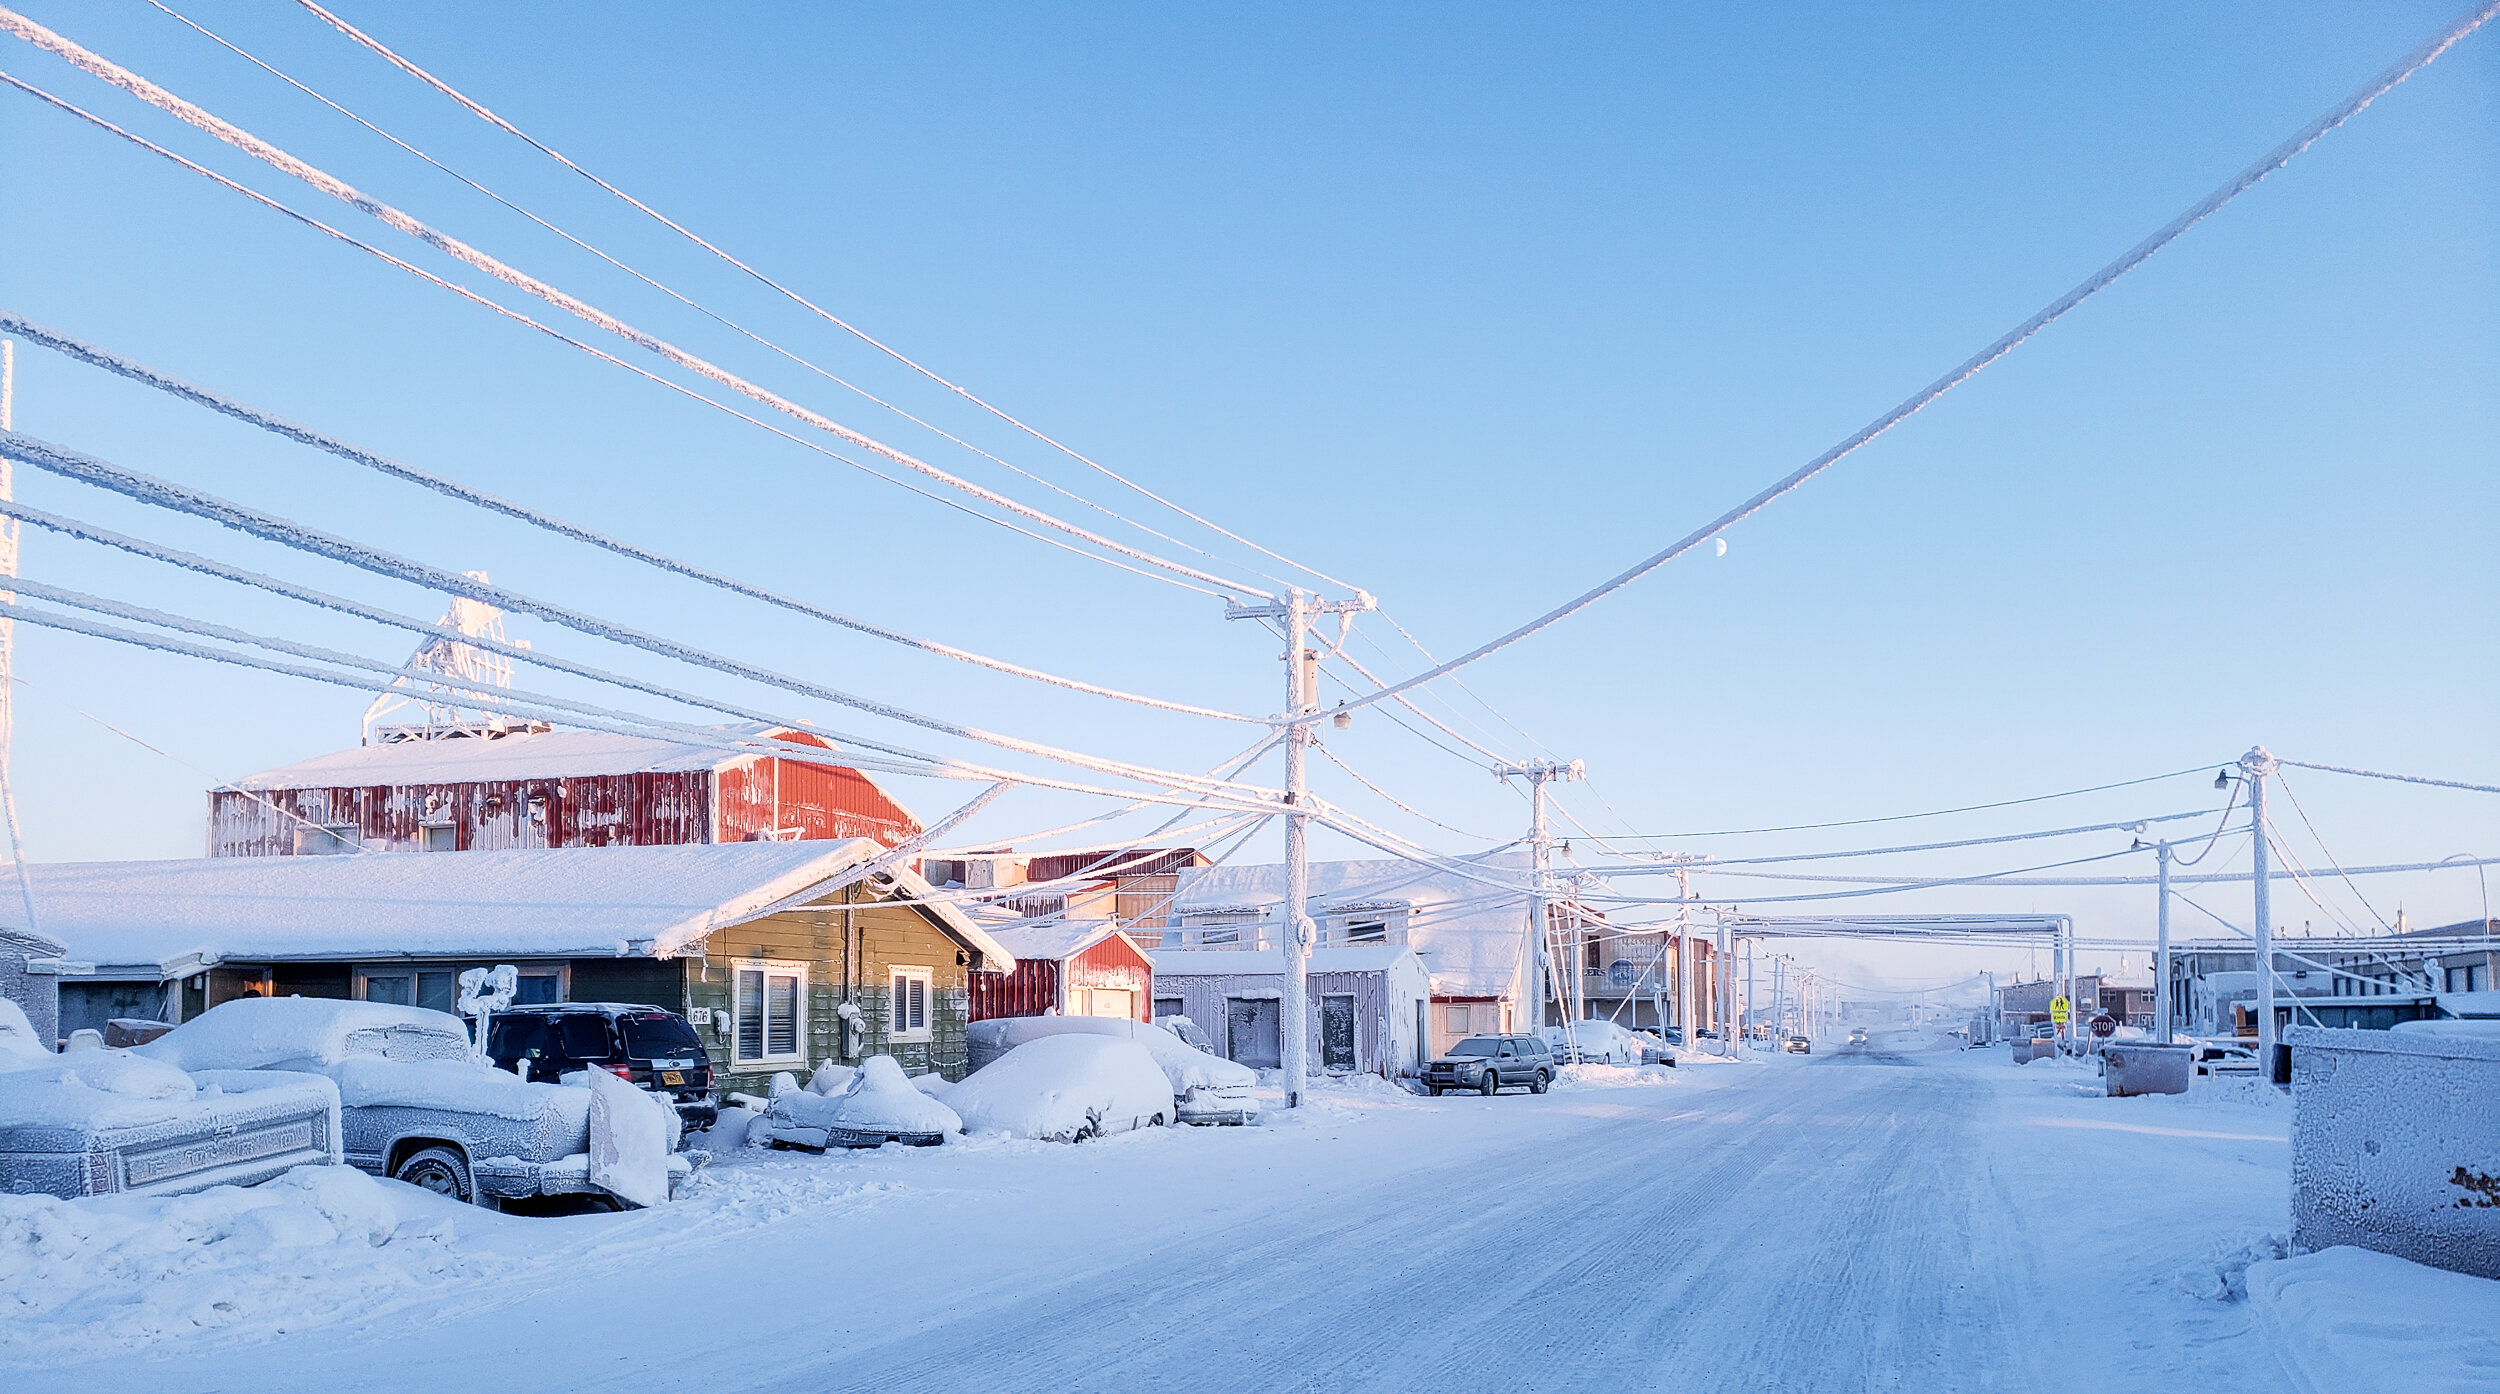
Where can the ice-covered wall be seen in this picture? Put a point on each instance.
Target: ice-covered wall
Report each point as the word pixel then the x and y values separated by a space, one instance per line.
pixel 37 993
pixel 2396 1145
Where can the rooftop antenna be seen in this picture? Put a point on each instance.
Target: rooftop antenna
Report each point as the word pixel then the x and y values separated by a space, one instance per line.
pixel 462 702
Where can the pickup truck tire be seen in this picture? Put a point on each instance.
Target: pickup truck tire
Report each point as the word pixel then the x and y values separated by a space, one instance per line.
pixel 1537 1085
pixel 441 1170
pixel 1492 1082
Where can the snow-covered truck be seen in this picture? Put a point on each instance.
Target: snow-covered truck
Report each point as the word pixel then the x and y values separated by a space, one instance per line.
pixel 417 1103
pixel 101 1122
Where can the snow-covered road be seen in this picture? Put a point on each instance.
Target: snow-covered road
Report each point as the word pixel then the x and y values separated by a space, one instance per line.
pixel 1868 1219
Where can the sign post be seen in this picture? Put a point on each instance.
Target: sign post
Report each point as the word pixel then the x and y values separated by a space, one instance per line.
pixel 2061 1011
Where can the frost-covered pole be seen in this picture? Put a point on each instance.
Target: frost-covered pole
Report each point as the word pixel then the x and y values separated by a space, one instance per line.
pixel 2161 948
pixel 1540 929
pixel 1727 990
pixel 2257 764
pixel 1298 928
pixel 8 638
pixel 1301 705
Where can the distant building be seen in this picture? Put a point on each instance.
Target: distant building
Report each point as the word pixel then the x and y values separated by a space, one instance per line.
pixel 530 789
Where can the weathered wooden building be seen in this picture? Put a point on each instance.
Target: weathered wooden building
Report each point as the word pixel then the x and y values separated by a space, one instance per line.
pixel 1071 967
pixel 783 954
pixel 1367 1004
pixel 531 789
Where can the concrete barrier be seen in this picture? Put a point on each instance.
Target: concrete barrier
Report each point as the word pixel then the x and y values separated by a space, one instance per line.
pixel 2145 1067
pixel 2396 1145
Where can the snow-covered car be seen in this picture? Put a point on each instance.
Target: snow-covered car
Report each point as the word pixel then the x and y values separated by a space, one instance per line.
pixel 867 1107
pixel 1065 1089
pixel 1600 1043
pixel 417 1104
pixel 1654 1048
pixel 105 1122
pixel 1206 1087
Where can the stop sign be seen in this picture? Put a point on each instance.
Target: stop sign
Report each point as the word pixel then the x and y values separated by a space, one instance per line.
pixel 2104 1025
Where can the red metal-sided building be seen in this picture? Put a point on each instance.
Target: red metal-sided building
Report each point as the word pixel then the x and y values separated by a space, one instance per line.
pixel 1072 967
pixel 529 789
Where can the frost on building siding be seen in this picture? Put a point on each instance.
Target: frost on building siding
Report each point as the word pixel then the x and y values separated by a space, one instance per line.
pixel 535 789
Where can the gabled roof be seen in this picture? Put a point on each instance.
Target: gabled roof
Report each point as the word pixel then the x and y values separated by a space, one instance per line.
pixel 1056 939
pixel 525 755
pixel 543 903
pixel 1467 920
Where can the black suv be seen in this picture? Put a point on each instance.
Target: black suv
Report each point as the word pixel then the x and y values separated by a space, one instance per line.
pixel 648 1046
pixel 1489 1063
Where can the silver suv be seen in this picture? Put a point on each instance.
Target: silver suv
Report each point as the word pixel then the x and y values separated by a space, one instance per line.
pixel 1490 1063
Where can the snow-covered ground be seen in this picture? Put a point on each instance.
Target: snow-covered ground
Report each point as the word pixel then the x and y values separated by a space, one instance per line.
pixel 1892 1217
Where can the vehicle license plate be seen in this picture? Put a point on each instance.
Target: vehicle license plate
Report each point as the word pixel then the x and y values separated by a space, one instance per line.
pixel 672 1076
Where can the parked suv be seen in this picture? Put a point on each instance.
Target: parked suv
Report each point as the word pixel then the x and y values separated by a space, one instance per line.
pixel 1489 1063
pixel 650 1047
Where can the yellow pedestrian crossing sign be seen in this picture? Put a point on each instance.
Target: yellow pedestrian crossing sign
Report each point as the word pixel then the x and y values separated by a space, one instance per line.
pixel 2060 1009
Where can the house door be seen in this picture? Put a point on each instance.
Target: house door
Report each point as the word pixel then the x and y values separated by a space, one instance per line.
pixel 1251 1036
pixel 1336 1033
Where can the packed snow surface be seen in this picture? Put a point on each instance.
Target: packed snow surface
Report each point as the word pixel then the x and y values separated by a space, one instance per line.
pixel 2349 1321
pixel 1896 1217
pixel 1060 1088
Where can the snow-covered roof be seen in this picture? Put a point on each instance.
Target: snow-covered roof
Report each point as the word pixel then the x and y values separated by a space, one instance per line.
pixel 1468 923
pixel 1344 958
pixel 524 755
pixel 542 903
pixel 1056 939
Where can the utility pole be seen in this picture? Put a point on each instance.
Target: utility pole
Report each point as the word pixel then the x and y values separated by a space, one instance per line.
pixel 1684 956
pixel 9 533
pixel 1541 887
pixel 1301 701
pixel 1994 1015
pixel 1725 1001
pixel 2161 948
pixel 2257 764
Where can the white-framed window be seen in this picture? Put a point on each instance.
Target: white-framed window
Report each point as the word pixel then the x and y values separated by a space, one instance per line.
pixel 1366 931
pixel 768 1012
pixel 325 839
pixel 909 1014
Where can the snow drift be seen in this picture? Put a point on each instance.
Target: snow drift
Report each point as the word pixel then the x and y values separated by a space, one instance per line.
pixel 1065 1088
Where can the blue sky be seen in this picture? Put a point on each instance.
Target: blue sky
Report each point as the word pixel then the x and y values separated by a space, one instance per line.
pixel 1471 306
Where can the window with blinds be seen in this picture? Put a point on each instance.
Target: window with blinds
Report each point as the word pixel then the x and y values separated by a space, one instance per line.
pixel 910 1005
pixel 769 1008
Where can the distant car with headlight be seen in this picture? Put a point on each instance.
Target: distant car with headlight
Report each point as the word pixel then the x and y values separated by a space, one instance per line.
pixel 1798 1045
pixel 1857 1035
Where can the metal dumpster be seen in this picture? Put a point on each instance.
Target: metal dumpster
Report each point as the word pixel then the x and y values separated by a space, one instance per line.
pixel 2145 1067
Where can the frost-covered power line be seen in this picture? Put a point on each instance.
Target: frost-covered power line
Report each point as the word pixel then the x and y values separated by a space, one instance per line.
pixel 2047 315
pixel 86 469
pixel 18 26
pixel 592 350
pixel 480 110
pixel 95 356
pixel 670 291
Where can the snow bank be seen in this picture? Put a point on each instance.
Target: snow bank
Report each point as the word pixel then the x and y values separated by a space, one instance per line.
pixel 19 1045
pixel 831 1080
pixel 879 1105
pixel 112 1273
pixel 1577 1077
pixel 630 1139
pixel 1065 1088
pixel 2349 1321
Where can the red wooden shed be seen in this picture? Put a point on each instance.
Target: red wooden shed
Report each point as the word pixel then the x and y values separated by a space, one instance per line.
pixel 1072 967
